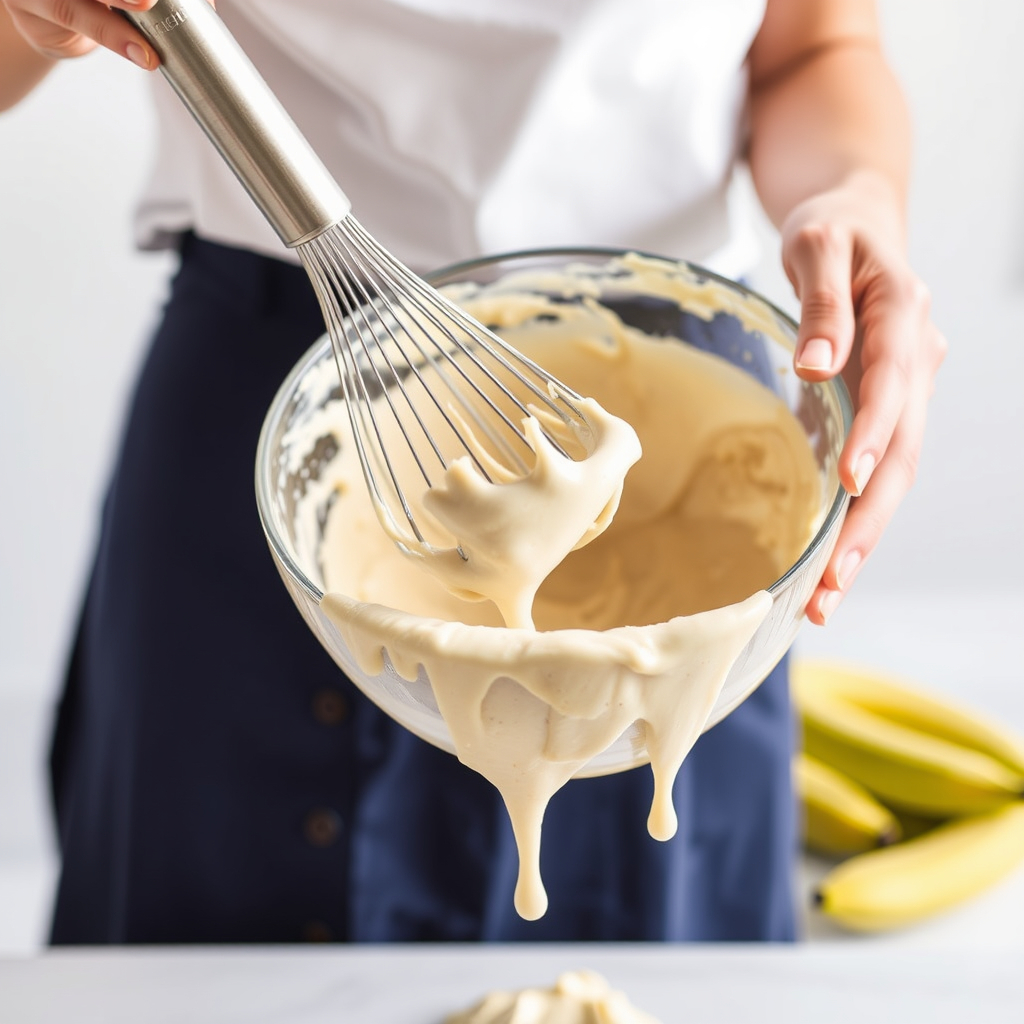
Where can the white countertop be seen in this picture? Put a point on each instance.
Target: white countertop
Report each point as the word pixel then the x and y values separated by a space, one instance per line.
pixel 420 985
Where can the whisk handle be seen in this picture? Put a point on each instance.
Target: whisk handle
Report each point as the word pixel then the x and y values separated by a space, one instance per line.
pixel 245 121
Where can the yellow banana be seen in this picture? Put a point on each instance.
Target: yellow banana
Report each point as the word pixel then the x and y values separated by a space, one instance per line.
pixel 905 768
pixel 911 706
pixel 906 883
pixel 840 817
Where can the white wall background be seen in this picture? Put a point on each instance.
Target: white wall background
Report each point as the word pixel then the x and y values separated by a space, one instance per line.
pixel 76 304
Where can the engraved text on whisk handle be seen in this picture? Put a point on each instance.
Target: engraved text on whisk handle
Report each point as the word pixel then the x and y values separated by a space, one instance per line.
pixel 170 23
pixel 241 116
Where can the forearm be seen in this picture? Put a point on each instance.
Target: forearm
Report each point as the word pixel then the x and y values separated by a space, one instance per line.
pixel 21 67
pixel 835 115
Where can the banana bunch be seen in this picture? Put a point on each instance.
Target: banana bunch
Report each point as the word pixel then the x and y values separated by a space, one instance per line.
pixel 840 817
pixel 885 761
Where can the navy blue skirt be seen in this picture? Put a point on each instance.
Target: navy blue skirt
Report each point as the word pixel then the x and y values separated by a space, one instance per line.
pixel 217 779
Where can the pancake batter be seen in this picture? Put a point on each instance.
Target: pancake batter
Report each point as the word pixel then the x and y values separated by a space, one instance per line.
pixel 506 534
pixel 642 624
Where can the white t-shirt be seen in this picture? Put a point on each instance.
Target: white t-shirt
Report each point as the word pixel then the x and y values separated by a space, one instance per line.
pixel 464 127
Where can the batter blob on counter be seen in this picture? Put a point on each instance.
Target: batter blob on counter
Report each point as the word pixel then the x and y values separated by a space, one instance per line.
pixel 641 625
pixel 577 997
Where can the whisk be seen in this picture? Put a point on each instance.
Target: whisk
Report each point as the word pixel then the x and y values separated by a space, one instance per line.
pixel 423 382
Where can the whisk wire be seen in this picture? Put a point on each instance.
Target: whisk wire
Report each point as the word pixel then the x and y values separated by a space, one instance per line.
pixel 392 277
pixel 393 335
pixel 378 299
pixel 362 327
pixel 495 346
pixel 359 407
pixel 485 338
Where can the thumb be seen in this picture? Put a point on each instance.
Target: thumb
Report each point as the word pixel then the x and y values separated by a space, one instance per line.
pixel 818 262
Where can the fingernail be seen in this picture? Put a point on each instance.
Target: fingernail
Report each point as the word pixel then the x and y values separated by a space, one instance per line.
pixel 829 603
pixel 847 565
pixel 137 55
pixel 816 354
pixel 862 471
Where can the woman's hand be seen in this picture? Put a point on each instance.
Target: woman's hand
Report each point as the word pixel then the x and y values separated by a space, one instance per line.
pixel 71 28
pixel 864 314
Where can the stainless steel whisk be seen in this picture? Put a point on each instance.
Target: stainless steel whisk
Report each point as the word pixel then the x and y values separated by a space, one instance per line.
pixel 424 383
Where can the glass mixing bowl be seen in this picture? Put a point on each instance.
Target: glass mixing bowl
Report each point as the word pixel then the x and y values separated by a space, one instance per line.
pixel 743 328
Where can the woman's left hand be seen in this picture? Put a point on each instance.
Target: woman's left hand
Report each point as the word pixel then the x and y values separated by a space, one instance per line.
pixel 865 314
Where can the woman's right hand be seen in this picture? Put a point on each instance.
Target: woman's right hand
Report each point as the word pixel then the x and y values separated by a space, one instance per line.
pixel 71 28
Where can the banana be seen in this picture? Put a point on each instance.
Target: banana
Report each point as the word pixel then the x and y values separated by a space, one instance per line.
pixel 903 884
pixel 911 706
pixel 840 817
pixel 905 768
